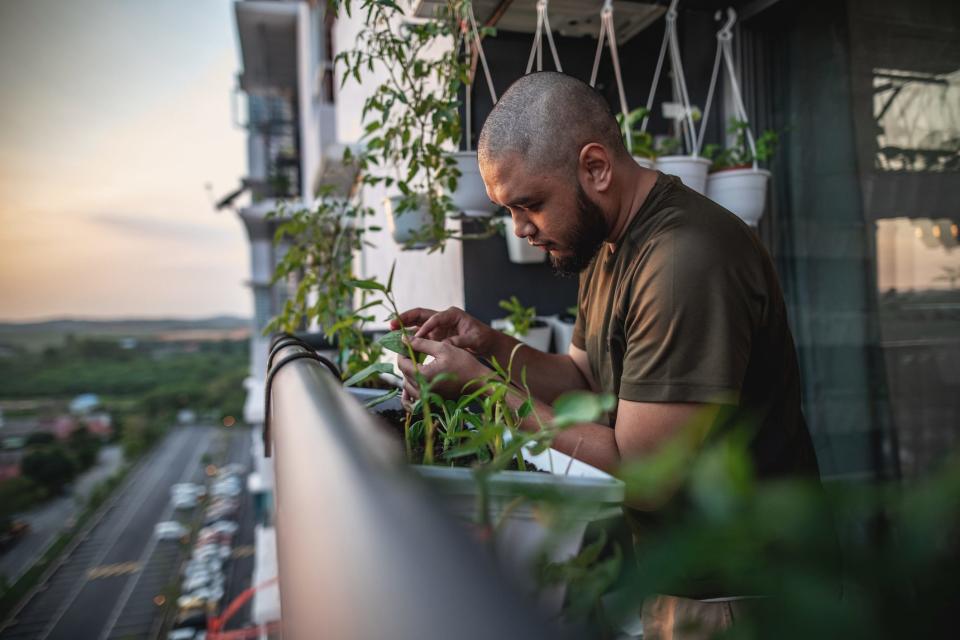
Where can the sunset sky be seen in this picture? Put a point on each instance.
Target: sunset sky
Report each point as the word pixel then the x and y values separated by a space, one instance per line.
pixel 115 114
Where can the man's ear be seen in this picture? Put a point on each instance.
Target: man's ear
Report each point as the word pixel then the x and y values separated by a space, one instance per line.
pixel 596 167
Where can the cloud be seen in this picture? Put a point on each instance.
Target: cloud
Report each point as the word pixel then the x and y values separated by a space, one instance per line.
pixel 161 228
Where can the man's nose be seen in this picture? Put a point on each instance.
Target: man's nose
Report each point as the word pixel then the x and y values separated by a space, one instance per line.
pixel 522 227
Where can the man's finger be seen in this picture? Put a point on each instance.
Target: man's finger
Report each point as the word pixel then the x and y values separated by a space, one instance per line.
pixel 411 391
pixel 444 320
pixel 429 347
pixel 412 317
pixel 406 366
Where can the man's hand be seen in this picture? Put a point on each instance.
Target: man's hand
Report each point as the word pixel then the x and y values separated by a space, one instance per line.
pixel 459 364
pixel 454 326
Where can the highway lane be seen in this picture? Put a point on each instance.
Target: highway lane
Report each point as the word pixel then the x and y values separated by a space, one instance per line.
pixel 72 604
pixel 240 571
pixel 136 616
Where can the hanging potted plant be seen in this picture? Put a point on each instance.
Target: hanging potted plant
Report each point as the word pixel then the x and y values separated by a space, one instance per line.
pixel 412 118
pixel 641 142
pixel 691 169
pixel 470 196
pixel 736 182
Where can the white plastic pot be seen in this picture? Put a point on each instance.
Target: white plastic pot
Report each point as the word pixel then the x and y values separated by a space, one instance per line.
pixel 406 225
pixel 562 333
pixel 471 194
pixel 573 495
pixel 742 191
pixel 646 163
pixel 521 251
pixel 536 337
pixel 691 170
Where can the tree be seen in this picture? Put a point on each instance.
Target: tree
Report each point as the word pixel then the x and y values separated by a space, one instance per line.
pixel 84 447
pixel 39 438
pixel 50 467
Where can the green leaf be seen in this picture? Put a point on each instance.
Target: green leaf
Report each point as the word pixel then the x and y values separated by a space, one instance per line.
pixel 367 372
pixel 525 409
pixel 390 278
pixel 581 406
pixel 370 285
pixel 393 393
pixel 393 341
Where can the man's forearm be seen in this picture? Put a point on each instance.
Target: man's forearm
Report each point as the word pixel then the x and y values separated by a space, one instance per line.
pixel 592 443
pixel 548 374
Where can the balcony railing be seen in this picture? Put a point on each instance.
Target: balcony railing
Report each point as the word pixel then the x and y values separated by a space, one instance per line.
pixel 363 552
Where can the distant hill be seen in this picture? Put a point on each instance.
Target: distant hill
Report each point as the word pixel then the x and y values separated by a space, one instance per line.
pixel 37 335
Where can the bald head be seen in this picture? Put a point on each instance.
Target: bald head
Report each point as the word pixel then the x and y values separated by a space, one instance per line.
pixel 546 118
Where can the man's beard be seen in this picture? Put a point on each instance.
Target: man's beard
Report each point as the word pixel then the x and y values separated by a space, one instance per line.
pixel 586 237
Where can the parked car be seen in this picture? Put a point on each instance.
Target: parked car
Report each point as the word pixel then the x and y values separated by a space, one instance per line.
pixel 184 501
pixel 188 488
pixel 169 530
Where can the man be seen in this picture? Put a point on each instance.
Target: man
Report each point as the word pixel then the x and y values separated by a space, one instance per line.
pixel 680 312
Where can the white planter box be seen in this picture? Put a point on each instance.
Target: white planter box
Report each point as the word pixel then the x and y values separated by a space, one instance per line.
pixel 471 194
pixel 692 171
pixel 521 251
pixel 742 191
pixel 646 163
pixel 522 532
pixel 537 337
pixel 526 526
pixel 404 226
pixel 562 333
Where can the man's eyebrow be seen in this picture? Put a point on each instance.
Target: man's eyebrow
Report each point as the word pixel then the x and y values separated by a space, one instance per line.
pixel 523 201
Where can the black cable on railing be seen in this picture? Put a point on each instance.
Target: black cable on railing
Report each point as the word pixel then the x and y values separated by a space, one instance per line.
pixel 309 354
pixel 286 340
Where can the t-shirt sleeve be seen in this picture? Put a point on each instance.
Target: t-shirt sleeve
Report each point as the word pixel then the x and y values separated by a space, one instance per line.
pixel 579 339
pixel 689 323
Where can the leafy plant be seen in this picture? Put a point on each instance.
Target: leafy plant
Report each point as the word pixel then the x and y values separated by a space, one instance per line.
pixel 641 141
pixel 739 154
pixel 412 118
pixel 521 318
pixel 321 242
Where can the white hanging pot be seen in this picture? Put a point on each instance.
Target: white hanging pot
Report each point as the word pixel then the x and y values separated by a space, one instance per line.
pixel 646 163
pixel 471 194
pixel 521 251
pixel 406 225
pixel 691 170
pixel 742 191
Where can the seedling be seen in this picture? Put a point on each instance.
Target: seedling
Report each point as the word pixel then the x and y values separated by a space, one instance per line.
pixel 521 318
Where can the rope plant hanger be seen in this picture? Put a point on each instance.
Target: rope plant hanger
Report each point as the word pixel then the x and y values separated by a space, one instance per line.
pixel 543 27
pixel 607 31
pixel 672 44
pixel 470 28
pixel 725 51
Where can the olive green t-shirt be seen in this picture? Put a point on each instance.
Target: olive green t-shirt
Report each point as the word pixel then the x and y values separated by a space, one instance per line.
pixel 687 308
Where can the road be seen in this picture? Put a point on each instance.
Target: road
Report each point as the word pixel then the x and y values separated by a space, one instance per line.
pixel 46 521
pixel 106 586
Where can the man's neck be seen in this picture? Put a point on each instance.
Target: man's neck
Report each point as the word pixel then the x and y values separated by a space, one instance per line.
pixel 637 184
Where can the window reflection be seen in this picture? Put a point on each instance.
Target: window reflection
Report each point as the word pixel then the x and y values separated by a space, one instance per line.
pixel 918 277
pixel 917 119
